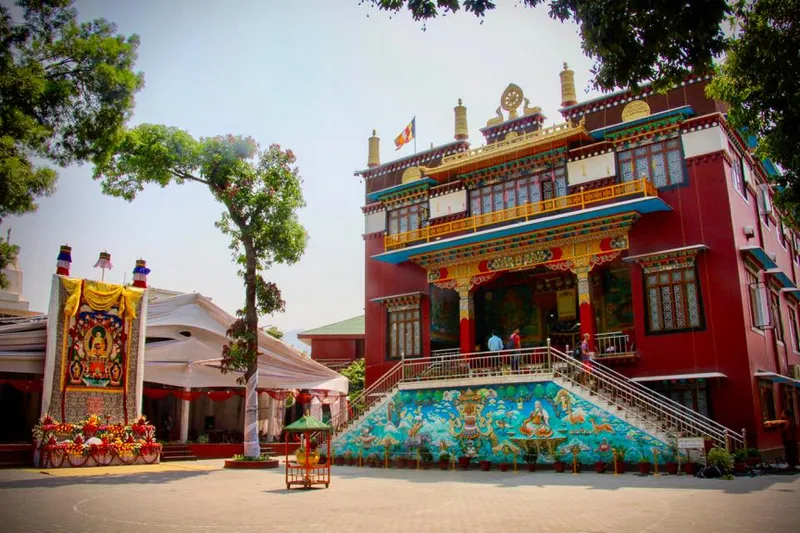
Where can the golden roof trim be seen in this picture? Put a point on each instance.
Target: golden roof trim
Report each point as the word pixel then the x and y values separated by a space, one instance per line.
pixel 527 140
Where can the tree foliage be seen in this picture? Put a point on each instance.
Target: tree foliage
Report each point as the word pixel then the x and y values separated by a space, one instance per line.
pixel 261 192
pixel 760 78
pixel 66 90
pixel 355 374
pixel 631 41
pixel 275 332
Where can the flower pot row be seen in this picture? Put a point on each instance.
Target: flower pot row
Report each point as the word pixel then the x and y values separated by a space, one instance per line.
pixel 464 463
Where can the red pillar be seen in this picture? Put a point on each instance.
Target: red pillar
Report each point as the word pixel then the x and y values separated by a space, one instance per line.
pixel 466 321
pixel 586 308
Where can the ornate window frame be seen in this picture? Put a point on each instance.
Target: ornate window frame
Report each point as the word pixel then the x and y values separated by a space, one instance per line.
pixel 657 265
pixel 403 311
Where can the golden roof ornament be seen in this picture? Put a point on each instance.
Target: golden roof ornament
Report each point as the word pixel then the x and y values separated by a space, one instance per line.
pixel 461 130
pixel 568 95
pixel 374 156
pixel 510 100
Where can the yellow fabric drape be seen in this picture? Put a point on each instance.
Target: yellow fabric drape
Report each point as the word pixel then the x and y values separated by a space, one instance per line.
pixel 101 297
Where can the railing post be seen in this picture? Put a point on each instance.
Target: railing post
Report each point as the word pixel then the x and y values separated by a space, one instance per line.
pixel 583 200
pixel 549 357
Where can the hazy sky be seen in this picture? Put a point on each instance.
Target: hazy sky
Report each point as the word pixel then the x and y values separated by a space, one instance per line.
pixel 306 75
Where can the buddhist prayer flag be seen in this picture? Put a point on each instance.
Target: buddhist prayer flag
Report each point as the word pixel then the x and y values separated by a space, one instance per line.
pixel 407 134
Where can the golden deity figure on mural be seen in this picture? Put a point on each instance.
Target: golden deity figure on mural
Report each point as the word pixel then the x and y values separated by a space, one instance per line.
pixel 471 423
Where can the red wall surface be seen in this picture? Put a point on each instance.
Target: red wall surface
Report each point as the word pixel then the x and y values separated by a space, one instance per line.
pixel 383 279
pixel 331 347
pixel 699 216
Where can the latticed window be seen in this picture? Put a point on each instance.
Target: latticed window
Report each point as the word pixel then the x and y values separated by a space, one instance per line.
pixel 405 219
pixel 793 329
pixel 737 176
pixel 673 300
pixel 405 338
pixel 776 312
pixel 767 398
pixel 661 163
pixel 514 192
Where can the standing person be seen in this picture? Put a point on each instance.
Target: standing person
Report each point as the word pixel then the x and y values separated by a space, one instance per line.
pixel 516 344
pixel 789 434
pixel 586 357
pixel 495 345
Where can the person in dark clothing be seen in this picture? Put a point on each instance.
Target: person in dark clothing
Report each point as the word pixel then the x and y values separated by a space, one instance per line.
pixel 789 434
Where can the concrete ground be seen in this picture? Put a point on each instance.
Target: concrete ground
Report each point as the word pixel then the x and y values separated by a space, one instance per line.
pixel 200 496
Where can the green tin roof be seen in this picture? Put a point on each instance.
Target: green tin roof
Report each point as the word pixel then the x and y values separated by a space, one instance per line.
pixel 307 423
pixel 352 326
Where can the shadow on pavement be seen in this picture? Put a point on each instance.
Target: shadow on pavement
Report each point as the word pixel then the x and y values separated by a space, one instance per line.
pixel 590 480
pixel 44 480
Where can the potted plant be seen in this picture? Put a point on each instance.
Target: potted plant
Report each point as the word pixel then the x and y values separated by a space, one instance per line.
pixel 600 466
pixel 740 461
pixel 669 462
pixel 348 458
pixel 463 462
pixel 558 464
pixel 372 460
pixel 400 462
pixel 485 463
pixel 689 467
pixel 753 457
pixel 444 460
pixel 618 460
pixel 503 465
pixel 531 457
pixel 644 466
pixel 721 459
pixel 425 457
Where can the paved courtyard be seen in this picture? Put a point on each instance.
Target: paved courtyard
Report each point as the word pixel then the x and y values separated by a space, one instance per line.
pixel 200 496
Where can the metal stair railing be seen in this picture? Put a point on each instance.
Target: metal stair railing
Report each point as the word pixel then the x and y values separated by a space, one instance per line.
pixel 367 398
pixel 647 405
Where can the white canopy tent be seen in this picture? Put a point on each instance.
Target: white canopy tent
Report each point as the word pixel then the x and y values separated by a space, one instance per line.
pixel 185 336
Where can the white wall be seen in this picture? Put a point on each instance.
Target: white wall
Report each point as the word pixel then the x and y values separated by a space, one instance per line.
pixel 375 222
pixel 705 141
pixel 448 204
pixel 591 168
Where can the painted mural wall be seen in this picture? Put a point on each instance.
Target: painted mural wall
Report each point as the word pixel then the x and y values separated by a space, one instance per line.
pixel 496 422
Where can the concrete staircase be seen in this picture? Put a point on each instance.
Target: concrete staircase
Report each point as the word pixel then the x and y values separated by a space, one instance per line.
pixel 177 452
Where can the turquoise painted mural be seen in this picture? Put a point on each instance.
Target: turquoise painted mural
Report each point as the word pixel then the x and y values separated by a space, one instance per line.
pixel 497 422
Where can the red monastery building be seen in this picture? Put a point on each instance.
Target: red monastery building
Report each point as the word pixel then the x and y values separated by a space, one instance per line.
pixel 643 220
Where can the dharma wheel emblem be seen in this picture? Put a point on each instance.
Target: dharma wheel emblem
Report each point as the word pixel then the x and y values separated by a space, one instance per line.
pixel 511 98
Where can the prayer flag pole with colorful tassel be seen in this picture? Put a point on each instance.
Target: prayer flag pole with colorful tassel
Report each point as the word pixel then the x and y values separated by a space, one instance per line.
pixel 140 273
pixel 104 262
pixel 64 260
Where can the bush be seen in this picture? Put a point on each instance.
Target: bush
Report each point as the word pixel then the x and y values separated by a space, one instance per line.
pixel 720 458
pixel 740 456
pixel 444 457
pixel 753 453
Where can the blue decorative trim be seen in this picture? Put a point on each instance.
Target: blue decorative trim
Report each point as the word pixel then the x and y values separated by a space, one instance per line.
pixel 685 111
pixel 638 205
pixel 378 195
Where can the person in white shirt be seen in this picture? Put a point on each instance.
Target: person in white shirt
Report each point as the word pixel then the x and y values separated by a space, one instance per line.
pixel 495 345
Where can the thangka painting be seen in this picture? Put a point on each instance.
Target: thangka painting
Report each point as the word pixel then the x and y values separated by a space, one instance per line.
pixel 497 423
pixel 617 300
pixel 508 308
pixel 94 364
pixel 444 316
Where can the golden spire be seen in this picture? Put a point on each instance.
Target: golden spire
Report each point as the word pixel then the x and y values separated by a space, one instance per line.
pixel 568 96
pixel 462 132
pixel 374 157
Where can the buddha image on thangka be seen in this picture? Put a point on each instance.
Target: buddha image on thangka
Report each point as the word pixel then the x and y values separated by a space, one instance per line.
pixel 95 344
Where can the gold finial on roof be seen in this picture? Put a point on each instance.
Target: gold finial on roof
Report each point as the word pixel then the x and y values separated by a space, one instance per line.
pixel 374 156
pixel 568 95
pixel 462 132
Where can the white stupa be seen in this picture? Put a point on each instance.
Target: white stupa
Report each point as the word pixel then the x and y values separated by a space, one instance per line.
pixel 11 301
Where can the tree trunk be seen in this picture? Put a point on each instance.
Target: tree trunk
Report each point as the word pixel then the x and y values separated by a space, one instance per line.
pixel 252 448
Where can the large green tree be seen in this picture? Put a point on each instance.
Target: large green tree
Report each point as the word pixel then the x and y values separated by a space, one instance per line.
pixel 66 90
pixel 753 42
pixel 261 193
pixel 631 41
pixel 760 78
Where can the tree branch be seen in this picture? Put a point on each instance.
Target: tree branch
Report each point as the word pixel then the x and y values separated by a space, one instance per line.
pixel 185 176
